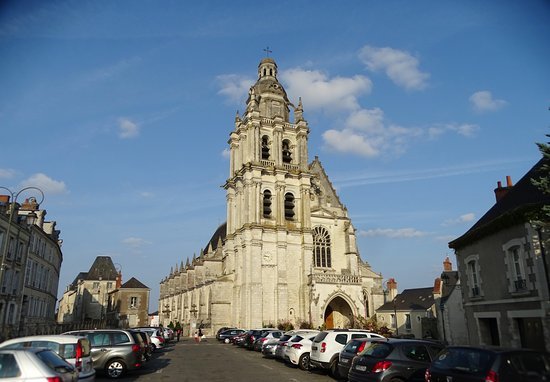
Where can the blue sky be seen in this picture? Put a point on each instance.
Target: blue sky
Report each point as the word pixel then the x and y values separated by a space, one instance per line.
pixel 120 111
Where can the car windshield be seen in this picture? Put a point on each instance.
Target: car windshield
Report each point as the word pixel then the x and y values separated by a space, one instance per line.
pixel 378 350
pixel 321 336
pixel 285 337
pixel 466 360
pixel 352 346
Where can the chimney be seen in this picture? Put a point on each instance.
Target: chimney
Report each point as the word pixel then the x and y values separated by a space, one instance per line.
pixel 392 288
pixel 447 265
pixel 500 191
pixel 118 282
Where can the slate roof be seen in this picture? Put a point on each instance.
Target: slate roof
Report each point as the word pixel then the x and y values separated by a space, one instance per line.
pixel 509 210
pixel 133 283
pixel 104 268
pixel 80 276
pixel 411 299
pixel 220 233
pixel 449 284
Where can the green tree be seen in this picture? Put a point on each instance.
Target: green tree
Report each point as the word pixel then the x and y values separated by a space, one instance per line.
pixel 542 181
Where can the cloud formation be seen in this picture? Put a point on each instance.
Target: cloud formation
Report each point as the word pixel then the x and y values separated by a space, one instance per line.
pixel 135 242
pixel 127 129
pixel 400 66
pixel 6 173
pixel 234 87
pixel 393 233
pixel 466 218
pixel 226 153
pixel 483 101
pixel 45 183
pixel 322 92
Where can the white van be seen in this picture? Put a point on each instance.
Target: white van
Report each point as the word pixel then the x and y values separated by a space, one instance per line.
pixel 74 349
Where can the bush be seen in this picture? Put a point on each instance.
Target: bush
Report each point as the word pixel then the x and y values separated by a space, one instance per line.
pixel 285 326
pixel 305 325
pixel 371 324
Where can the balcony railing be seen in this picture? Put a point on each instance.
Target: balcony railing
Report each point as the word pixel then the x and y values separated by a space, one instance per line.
pixel 329 278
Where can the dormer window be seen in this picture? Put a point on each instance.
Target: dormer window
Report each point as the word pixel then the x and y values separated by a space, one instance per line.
pixel 287 154
pixel 289 206
pixel 265 147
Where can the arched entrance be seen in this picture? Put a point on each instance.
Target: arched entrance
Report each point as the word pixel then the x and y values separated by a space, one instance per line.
pixel 338 314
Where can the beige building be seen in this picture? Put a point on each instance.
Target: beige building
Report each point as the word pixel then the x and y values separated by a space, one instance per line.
pixel 86 298
pixel 503 266
pixel 31 262
pixel 287 251
pixel 129 305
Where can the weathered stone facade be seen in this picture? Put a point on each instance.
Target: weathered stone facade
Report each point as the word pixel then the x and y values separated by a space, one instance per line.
pixel 288 249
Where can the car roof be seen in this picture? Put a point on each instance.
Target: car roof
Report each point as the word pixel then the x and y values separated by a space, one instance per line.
pixel 59 338
pixel 497 349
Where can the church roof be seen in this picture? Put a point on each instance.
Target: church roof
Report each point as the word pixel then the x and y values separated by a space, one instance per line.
pixel 220 233
pixel 411 299
pixel 103 268
pixel 134 283
pixel 509 209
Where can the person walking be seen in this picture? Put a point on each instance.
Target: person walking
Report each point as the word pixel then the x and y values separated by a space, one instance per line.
pixel 200 334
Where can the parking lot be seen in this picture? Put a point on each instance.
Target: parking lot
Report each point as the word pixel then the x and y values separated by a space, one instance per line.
pixel 214 361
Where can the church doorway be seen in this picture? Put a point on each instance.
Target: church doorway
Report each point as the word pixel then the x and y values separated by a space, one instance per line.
pixel 338 314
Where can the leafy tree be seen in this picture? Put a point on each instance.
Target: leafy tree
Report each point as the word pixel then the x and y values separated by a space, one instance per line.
pixel 371 324
pixel 543 181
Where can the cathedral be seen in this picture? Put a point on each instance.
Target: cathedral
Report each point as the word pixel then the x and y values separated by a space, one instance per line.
pixel 287 252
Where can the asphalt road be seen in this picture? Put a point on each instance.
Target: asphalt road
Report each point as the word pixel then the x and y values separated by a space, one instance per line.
pixel 211 361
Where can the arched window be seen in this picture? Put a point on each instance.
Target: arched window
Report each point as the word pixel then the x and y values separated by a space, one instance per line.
pixel 321 248
pixel 267 204
pixel 289 206
pixel 287 154
pixel 265 147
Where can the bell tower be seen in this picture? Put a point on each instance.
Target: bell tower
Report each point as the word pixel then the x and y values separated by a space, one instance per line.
pixel 268 203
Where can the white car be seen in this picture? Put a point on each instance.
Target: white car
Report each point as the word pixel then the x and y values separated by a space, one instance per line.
pixel 35 364
pixel 157 338
pixel 73 349
pixel 298 349
pixel 326 347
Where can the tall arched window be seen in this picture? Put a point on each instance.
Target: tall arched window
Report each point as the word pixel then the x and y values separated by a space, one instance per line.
pixel 287 154
pixel 265 147
pixel 289 206
pixel 321 248
pixel 267 204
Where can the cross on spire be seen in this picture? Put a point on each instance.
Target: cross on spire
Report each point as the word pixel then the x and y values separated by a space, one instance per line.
pixel 267 51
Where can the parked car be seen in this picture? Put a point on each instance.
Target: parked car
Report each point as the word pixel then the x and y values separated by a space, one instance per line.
pixel 148 351
pixel 221 330
pixel 280 346
pixel 299 347
pixel 114 351
pixel 252 335
pixel 73 349
pixel 481 364
pixel 327 345
pixel 393 359
pixel 352 348
pixel 269 347
pixel 271 334
pixel 227 335
pixel 35 364
pixel 239 339
pixel 156 337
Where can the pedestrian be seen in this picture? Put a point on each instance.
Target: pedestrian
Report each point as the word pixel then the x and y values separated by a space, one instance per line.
pixel 201 335
pixel 197 338
pixel 178 334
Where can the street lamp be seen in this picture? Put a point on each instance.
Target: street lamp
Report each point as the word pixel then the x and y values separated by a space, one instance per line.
pixel 31 218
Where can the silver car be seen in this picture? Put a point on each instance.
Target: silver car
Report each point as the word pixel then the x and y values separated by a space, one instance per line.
pixel 35 364
pixel 73 349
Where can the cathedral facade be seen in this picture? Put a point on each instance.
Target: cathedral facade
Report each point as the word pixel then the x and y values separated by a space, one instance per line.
pixel 287 252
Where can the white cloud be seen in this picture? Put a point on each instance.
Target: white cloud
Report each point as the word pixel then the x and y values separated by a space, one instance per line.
pixel 127 129
pixel 226 153
pixel 466 218
pixel 365 133
pixel 400 66
pixel 393 233
pixel 320 91
pixel 135 242
pixel 6 173
pixel 146 194
pixel 235 87
pixel 465 129
pixel 45 183
pixel 483 101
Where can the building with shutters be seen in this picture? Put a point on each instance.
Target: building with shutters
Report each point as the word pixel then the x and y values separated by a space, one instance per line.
pixel 287 252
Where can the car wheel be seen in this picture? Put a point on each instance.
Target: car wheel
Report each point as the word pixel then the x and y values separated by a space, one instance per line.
pixel 115 368
pixel 303 362
pixel 227 340
pixel 334 369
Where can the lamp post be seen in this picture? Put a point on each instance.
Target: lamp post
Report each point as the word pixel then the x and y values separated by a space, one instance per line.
pixel 30 220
